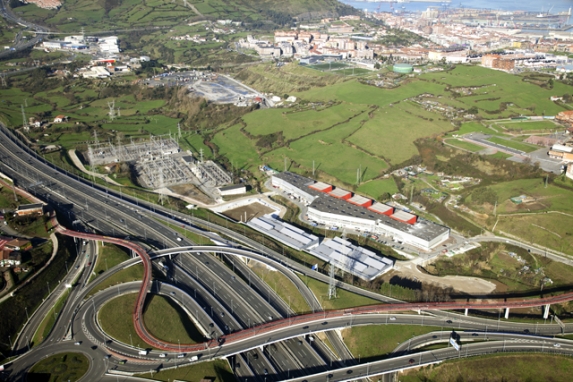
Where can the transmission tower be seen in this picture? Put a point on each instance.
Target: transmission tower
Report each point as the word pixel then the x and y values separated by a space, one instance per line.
pixel 111 106
pixel 201 155
pixel 162 196
pixel 185 3
pixel 179 129
pixel 3 80
pixel 118 112
pixel 331 283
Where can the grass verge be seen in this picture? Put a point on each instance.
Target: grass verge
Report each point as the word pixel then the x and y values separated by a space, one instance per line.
pixel 60 368
pixel 514 367
pixel 283 287
pixel 109 256
pixel 343 299
pixel 48 322
pixel 133 273
pixel 219 370
pixel 360 342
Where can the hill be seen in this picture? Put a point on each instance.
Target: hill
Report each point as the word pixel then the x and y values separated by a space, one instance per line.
pixel 105 15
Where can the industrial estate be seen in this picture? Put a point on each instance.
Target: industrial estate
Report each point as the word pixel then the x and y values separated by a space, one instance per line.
pixel 297 191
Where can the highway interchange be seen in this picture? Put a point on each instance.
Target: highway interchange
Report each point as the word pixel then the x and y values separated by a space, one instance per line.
pixel 219 302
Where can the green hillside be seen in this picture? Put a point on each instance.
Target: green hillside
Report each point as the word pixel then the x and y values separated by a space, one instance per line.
pixel 100 15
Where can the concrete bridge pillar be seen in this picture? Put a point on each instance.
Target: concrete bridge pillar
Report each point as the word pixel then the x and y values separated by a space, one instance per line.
pixel 506 313
pixel 170 256
pixel 466 312
pixel 546 312
pixel 419 311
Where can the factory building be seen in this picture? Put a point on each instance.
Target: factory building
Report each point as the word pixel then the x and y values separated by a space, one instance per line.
pixel 340 209
pixel 350 258
pixel 285 233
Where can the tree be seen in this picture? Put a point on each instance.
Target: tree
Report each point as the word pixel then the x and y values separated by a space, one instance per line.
pixel 567 97
pixel 384 197
pixel 473 110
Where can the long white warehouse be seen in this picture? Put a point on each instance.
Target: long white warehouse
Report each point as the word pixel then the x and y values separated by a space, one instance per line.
pixel 326 209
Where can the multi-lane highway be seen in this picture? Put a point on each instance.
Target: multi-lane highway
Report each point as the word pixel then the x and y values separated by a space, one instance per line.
pixel 239 312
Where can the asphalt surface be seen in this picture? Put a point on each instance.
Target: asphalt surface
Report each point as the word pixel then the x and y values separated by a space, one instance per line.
pixel 122 215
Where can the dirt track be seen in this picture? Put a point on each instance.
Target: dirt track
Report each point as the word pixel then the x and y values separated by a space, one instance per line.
pixel 470 285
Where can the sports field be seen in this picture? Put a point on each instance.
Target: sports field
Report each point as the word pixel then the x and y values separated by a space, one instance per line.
pixel 513 144
pixel 464 145
pixel 528 125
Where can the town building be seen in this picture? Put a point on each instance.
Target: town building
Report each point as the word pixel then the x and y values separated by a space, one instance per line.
pixel 30 209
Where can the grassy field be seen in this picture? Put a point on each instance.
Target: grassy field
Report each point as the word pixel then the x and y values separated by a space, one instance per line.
pixel 377 187
pixel 541 199
pixel 472 127
pixel 162 318
pixel 392 131
pixel 286 290
pixel 331 154
pixel 295 124
pixel 511 367
pixel 218 370
pixel 109 256
pixel 548 230
pixel 343 298
pixel 527 125
pixel 359 339
pixel 498 87
pixel 63 367
pixel 168 322
pixel 513 144
pixel 493 261
pixel 239 149
pixel 133 273
pixel 464 145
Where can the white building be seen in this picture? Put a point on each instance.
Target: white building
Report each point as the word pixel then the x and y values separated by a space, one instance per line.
pixel 330 211
pixel 285 233
pixel 235 189
pixel 353 259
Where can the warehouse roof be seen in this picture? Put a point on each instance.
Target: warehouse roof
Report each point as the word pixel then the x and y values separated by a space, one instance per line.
pixel 340 193
pixel 403 215
pixel 422 229
pixel 381 208
pixel 356 260
pixel 320 186
pixel 359 200
pixel 284 232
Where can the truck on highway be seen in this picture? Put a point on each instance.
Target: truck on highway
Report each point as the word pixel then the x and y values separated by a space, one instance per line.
pixel 143 352
pixel 194 358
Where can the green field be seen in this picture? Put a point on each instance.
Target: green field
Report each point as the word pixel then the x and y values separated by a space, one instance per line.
pixel 217 371
pixel 493 261
pixel 513 144
pixel 331 66
pixel 343 299
pixel 392 131
pixel 359 339
pixel 528 125
pixel 162 318
pixel 108 257
pixel 468 146
pixel 283 287
pixel 62 367
pixel 499 87
pixel 331 154
pixel 295 124
pixel 132 273
pixel 375 188
pixel 48 322
pixel 511 367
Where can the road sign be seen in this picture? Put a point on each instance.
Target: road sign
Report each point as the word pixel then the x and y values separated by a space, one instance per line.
pixel 455 344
